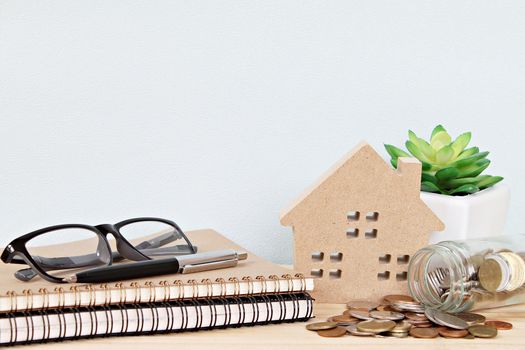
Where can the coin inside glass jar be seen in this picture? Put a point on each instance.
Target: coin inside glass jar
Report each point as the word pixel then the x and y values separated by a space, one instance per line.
pixel 492 275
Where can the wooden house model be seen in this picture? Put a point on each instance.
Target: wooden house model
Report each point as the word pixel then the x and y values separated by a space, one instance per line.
pixel 356 228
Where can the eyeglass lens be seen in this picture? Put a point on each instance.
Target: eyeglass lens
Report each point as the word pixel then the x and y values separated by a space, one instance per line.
pixel 58 251
pixel 155 238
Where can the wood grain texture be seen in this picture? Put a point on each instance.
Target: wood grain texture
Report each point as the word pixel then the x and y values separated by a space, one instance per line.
pixel 295 336
pixel 374 258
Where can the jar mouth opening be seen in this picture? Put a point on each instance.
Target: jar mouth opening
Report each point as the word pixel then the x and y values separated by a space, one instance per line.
pixel 433 269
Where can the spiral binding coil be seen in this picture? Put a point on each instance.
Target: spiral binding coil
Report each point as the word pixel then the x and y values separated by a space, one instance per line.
pixel 224 288
pixel 167 290
pixel 194 289
pixel 264 288
pixel 152 292
pixel 236 286
pixel 29 306
pixel 240 306
pixel 249 282
pixel 277 285
pixel 180 289
pixel 86 295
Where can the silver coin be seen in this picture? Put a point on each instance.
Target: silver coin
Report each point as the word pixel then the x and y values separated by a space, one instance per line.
pixel 408 307
pixel 361 314
pixel 429 313
pixel 449 320
pixel 398 309
pixel 387 315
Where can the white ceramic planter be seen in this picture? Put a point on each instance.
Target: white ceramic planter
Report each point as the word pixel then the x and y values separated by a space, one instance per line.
pixel 481 214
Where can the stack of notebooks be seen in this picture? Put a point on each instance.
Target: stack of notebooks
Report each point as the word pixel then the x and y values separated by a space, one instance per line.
pixel 255 292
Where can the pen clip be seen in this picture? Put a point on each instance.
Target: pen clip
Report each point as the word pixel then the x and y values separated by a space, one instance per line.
pixel 206 266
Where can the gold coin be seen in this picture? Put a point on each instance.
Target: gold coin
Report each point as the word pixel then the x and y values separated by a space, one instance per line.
pixel 471 318
pixel 375 326
pixel 490 275
pixel 482 331
pixel 332 333
pixel 354 331
pixel 401 327
pixel 397 334
pixel 318 326
pixel 361 304
pixel 394 298
pixel 426 333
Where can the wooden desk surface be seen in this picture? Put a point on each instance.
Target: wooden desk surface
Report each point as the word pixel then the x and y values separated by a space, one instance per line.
pixel 295 336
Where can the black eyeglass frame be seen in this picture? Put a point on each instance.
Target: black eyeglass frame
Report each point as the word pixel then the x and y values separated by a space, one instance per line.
pixel 17 253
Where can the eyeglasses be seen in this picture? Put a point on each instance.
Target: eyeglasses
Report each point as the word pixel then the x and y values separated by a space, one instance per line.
pixel 87 246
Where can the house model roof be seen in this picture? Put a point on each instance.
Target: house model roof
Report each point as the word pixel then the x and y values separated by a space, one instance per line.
pixel 364 172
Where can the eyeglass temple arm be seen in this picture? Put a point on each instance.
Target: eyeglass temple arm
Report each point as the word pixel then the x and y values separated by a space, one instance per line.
pixel 59 263
pixel 159 241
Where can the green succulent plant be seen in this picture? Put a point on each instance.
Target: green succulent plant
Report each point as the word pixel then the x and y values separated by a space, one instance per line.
pixel 449 167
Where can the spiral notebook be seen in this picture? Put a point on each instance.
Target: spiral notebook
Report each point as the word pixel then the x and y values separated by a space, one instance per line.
pixel 254 276
pixel 152 318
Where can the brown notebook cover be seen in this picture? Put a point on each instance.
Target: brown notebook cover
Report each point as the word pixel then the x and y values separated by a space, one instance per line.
pixel 250 277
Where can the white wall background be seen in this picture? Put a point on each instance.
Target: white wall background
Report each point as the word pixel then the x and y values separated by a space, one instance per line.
pixel 218 113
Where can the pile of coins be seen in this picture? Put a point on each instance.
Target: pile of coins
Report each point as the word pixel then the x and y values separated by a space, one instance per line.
pixel 400 316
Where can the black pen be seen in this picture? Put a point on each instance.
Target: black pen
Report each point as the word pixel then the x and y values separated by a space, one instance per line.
pixel 217 259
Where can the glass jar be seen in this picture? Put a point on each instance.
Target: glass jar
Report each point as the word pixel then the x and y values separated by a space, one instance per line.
pixel 455 276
